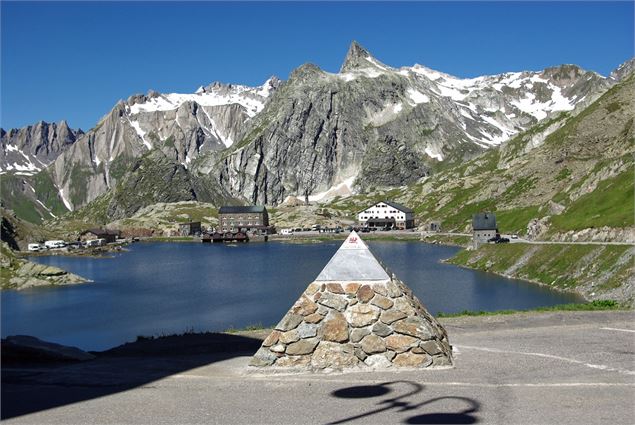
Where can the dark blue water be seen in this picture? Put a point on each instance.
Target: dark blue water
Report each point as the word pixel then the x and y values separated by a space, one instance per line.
pixel 165 288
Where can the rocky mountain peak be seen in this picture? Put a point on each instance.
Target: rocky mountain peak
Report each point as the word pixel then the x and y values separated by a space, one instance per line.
pixel 623 70
pixel 356 58
pixel 305 72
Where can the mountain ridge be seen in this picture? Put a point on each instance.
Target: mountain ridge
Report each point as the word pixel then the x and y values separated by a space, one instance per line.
pixel 316 133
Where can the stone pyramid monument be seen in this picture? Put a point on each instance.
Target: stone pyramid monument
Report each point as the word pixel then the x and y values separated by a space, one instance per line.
pixel 355 315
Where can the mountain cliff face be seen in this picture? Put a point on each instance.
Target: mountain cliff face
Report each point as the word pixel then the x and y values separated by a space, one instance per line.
pixel 27 150
pixel 317 135
pixel 181 126
pixel 372 126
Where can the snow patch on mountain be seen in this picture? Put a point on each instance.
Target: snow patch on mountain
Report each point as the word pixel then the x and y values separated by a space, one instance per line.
pixel 345 188
pixel 416 96
pixel 434 153
pixel 141 133
pixel 64 200
pixel 251 98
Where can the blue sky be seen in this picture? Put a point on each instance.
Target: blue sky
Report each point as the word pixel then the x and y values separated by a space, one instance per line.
pixel 74 60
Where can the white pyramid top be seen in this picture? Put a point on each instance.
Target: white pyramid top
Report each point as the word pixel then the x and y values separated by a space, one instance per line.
pixel 353 262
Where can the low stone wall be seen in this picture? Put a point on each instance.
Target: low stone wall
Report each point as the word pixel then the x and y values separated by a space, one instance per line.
pixel 336 326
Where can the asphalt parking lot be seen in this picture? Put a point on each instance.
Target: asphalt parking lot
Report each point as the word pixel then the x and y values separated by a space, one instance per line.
pixel 536 368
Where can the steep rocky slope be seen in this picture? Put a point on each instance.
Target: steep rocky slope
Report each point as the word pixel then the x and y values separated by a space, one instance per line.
pixel 372 126
pixel 570 178
pixel 25 155
pixel 27 150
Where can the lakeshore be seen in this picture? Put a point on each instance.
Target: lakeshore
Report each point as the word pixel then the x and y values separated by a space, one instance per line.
pixel 208 288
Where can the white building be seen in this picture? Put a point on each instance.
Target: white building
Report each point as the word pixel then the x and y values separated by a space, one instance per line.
pixel 387 213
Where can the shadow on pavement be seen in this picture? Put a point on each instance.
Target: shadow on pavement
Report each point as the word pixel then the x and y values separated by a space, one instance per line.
pixel 399 403
pixel 33 387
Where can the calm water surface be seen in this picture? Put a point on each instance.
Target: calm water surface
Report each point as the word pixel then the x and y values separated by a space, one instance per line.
pixel 164 288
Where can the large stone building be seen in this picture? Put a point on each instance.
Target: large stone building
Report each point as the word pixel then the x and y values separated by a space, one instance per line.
pixel 252 218
pixel 387 214
pixel 484 227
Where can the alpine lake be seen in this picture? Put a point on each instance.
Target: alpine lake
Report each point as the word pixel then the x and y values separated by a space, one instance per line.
pixel 159 288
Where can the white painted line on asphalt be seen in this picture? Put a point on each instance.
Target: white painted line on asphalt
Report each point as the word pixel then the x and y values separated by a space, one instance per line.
pixel 289 378
pixel 551 356
pixel 616 329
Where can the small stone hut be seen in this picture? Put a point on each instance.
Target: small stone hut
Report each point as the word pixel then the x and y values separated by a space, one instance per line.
pixel 484 227
pixel 189 229
pixel 355 315
pixel 91 234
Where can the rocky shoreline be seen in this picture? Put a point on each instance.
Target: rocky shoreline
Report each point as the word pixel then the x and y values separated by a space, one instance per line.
pixel 19 274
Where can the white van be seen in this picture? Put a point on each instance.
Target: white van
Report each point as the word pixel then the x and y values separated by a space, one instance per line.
pixel 54 244
pixel 34 247
pixel 286 231
pixel 95 242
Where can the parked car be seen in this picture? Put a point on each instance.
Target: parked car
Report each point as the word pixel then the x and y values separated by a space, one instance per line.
pixel 494 239
pixel 34 247
pixel 502 240
pixel 54 244
pixel 95 242
pixel 514 236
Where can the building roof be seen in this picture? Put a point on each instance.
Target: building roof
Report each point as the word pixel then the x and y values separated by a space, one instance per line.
pixel 100 232
pixel 242 209
pixel 392 204
pixel 484 221
pixel 353 262
pixel 398 206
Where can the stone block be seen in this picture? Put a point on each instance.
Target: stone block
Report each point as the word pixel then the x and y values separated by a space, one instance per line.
pixel 378 361
pixel 336 302
pixel 361 315
pixel 400 343
pixel 278 348
pixel 365 293
pixel 314 318
pixel 294 361
pixel 382 329
pixel 263 357
pixel 303 346
pixel 412 360
pixel 431 347
pixel 358 333
pixel 334 328
pixel 351 288
pixel 382 302
pixel 372 344
pixel 413 326
pixel 333 355
pixel 307 330
pixel 288 337
pixel 271 339
pixel 304 306
pixel 335 288
pixel 391 316
pixel 312 289
pixel 289 321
